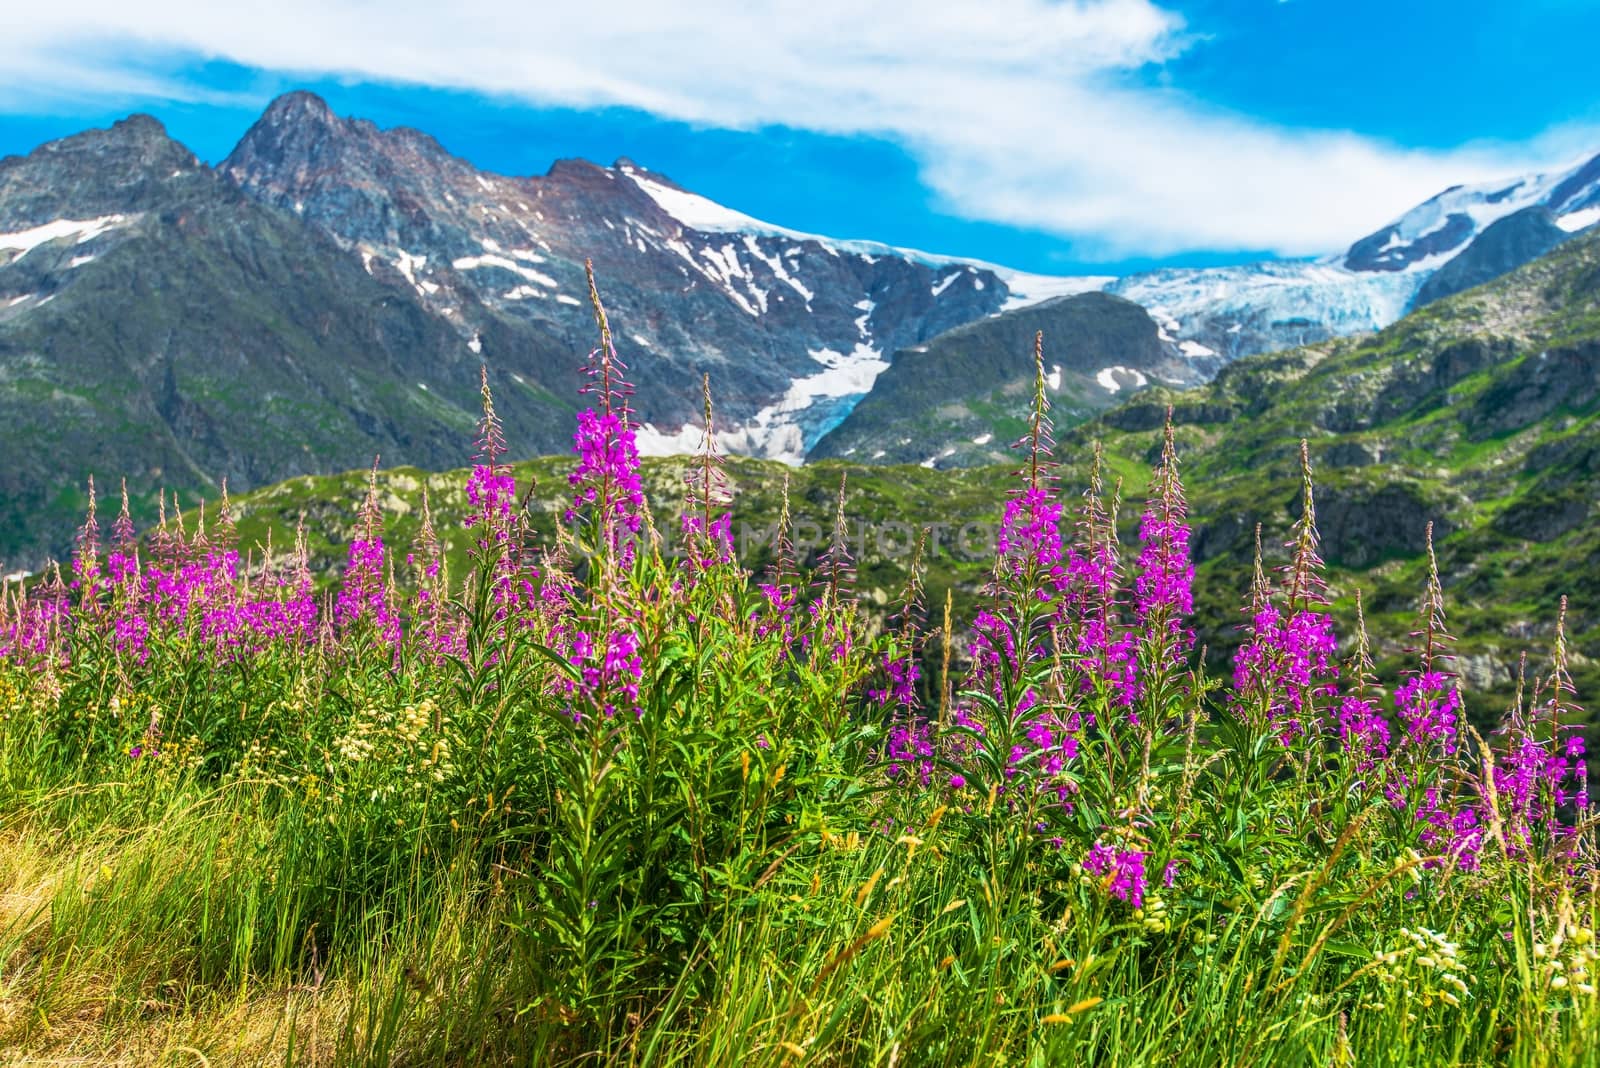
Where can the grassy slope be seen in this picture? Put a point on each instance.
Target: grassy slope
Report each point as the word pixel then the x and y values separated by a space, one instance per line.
pixel 1478 413
pixel 1432 398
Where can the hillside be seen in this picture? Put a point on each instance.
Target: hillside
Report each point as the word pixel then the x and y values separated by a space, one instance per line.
pixel 957 400
pixel 1480 413
pixel 155 323
pixel 328 292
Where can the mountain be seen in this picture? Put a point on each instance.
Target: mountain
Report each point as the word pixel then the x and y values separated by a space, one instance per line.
pixel 1505 244
pixel 329 291
pixel 1440 227
pixel 1465 235
pixel 1461 238
pixel 958 400
pixel 156 323
pixel 791 327
pixel 1479 412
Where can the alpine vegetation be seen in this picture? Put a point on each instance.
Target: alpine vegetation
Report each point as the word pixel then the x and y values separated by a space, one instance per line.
pixel 610 798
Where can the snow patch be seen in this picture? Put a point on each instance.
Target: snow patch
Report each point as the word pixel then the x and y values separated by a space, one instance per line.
pixel 1573 221
pixel 696 212
pixel 24 241
pixel 776 431
pixel 1195 350
pixel 1108 378
pixel 472 263
pixel 1026 289
pixel 409 265
pixel 866 308
pixel 563 298
pixel 476 344
pixel 983 439
pixel 1053 379
pixel 652 441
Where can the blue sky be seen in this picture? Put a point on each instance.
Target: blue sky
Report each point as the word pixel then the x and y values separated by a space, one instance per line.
pixel 1098 135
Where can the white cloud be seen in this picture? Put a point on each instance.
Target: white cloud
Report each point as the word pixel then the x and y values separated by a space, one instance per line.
pixel 1018 111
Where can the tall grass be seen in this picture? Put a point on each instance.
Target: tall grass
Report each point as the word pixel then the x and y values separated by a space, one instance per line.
pixel 596 804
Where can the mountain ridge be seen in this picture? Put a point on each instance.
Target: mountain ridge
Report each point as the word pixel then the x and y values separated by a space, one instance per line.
pixel 354 278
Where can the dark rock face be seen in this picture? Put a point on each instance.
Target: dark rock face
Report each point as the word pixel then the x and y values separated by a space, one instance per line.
pixel 1353 454
pixel 131 167
pixel 1360 525
pixel 1538 386
pixel 1504 245
pixel 1427 376
pixel 1546 515
pixel 1385 251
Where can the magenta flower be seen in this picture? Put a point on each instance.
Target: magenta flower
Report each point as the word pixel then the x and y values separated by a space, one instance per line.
pixel 1030 532
pixel 1124 870
pixel 1284 666
pixel 1428 707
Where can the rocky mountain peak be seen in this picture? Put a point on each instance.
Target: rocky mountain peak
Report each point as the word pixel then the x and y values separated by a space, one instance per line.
pixel 299 107
pixel 130 167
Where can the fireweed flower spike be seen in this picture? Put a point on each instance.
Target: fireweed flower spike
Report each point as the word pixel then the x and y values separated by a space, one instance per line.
pixel 1362 730
pixel 606 482
pixel 1164 586
pixel 910 738
pixel 1288 668
pixel 1429 704
pixel 608 500
pixel 707 530
pixel 778 588
pixel 1088 609
pixel 87 577
pixel 1005 718
pixel 492 492
pixel 1428 712
pixel 434 622
pixel 130 626
pixel 1539 772
pixel 364 592
pixel 833 609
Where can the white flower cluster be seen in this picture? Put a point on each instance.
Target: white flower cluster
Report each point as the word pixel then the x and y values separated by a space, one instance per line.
pixel 1426 968
pixel 415 739
pixel 1567 961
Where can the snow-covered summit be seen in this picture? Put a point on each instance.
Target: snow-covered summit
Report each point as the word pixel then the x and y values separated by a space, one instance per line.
pixel 1431 233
